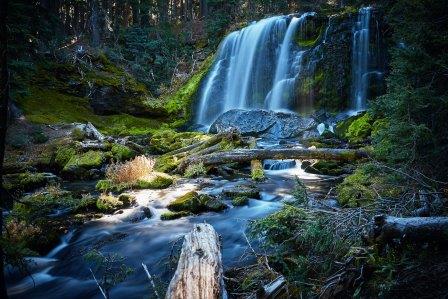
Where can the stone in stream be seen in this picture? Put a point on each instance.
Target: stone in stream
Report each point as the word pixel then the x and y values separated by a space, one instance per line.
pixel 242 190
pixel 263 123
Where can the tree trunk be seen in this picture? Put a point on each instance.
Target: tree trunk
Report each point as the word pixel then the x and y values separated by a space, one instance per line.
pixel 199 273
pixel 387 229
pixel 245 155
pixel 4 104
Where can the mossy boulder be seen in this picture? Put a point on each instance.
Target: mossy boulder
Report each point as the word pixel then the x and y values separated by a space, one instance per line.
pixel 174 215
pixel 108 203
pixel 240 201
pixel 79 164
pixel 127 199
pixel 159 181
pixel 356 129
pixel 121 152
pixel 196 203
pixel 250 191
pixel 28 181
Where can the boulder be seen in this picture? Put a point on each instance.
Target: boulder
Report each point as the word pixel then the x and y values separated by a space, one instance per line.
pixel 263 123
pixel 242 190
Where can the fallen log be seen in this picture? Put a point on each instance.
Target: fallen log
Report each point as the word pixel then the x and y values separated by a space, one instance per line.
pixel 199 273
pixel 245 155
pixel 388 229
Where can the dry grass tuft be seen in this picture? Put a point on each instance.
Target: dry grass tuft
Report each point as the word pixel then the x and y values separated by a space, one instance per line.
pixel 131 171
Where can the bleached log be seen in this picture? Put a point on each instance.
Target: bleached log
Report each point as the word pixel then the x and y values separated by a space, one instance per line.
pixel 199 273
pixel 386 229
pixel 245 155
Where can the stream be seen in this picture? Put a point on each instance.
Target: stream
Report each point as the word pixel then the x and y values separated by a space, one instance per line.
pixel 63 273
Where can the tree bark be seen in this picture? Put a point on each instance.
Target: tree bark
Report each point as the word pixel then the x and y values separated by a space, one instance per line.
pixel 199 273
pixel 415 230
pixel 4 105
pixel 245 155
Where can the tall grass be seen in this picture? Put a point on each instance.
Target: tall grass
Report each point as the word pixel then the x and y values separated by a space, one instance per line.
pixel 130 171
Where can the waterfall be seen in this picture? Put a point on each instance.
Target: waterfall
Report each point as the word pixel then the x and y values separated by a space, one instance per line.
pixel 255 67
pixel 360 59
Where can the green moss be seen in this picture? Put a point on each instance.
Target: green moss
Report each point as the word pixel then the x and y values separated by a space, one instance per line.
pixel 64 153
pixel 167 140
pixel 196 203
pixel 88 160
pixel 240 201
pixel 174 215
pixel 27 181
pixel 121 152
pixel 366 184
pixel 327 167
pixel 356 129
pixel 179 104
pixel 257 172
pixel 108 203
pixel 195 170
pixel 166 163
pixel 127 199
pixel 158 182
pixel 242 190
pixel 49 106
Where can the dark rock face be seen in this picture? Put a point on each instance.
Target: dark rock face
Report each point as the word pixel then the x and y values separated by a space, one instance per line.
pixel 263 123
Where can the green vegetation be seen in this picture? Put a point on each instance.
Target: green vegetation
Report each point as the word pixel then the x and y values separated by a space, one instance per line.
pixel 79 164
pixel 367 184
pixel 157 181
pixel 257 171
pixel 196 203
pixel 122 152
pixel 195 170
pixel 108 203
pixel 167 140
pixel 240 201
pixel 27 181
pixel 174 215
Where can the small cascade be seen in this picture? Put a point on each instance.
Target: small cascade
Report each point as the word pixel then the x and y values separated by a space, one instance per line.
pixel 279 164
pixel 360 59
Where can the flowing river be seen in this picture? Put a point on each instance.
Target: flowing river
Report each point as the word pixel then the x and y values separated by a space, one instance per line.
pixel 63 273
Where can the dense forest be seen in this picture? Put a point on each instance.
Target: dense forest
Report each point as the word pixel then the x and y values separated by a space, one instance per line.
pixel 224 149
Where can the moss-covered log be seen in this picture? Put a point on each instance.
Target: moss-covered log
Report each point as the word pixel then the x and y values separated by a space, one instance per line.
pixel 245 155
pixel 201 255
pixel 414 230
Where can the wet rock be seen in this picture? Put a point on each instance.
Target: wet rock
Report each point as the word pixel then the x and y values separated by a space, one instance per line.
pixel 263 123
pixel 196 203
pixel 250 191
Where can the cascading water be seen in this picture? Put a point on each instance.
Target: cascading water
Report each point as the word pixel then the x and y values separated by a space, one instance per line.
pixel 278 98
pixel 255 67
pixel 360 59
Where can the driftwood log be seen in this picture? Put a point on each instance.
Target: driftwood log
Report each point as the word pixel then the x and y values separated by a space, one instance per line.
pixel 199 273
pixel 245 155
pixel 387 229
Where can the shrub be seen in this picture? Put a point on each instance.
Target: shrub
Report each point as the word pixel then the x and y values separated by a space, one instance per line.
pixel 39 137
pixel 257 172
pixel 131 171
pixel 195 170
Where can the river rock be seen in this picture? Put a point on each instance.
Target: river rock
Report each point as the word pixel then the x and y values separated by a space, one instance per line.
pixel 263 123
pixel 242 190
